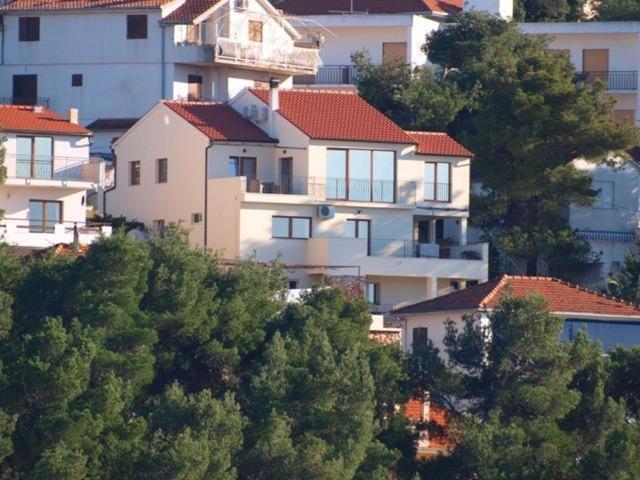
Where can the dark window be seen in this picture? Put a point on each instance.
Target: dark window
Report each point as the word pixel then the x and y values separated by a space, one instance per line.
pixel 158 227
pixel 293 284
pixel 136 27
pixel 420 337
pixel 29 29
pixel 195 87
pixel 76 80
pixel 291 227
pixel 196 218
pixel 134 173
pixel 44 215
pixel 163 171
pixel 25 89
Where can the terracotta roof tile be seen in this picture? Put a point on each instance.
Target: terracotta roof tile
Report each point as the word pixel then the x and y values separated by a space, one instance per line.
pixel 324 7
pixel 438 143
pixel 189 11
pixel 42 5
pixel 218 121
pixel 562 297
pixel 331 115
pixel 19 118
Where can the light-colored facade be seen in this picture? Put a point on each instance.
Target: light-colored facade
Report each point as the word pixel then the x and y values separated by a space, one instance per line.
pixel 116 62
pixel 383 233
pixel 601 51
pixel 44 196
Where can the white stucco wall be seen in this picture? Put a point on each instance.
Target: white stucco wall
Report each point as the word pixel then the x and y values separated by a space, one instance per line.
pixel 14 200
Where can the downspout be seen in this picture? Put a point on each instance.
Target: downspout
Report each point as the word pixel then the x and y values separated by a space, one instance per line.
pixel 2 48
pixel 206 191
pixel 114 160
pixel 163 73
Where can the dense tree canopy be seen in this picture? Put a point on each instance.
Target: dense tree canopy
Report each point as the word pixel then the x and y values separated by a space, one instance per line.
pixel 549 10
pixel 518 106
pixel 618 10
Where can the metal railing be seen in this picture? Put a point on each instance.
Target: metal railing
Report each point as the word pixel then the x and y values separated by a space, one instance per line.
pixel 38 167
pixel 414 249
pixel 438 192
pixel 611 80
pixel 281 184
pixel 42 101
pixel 368 190
pixel 330 75
pixel 381 308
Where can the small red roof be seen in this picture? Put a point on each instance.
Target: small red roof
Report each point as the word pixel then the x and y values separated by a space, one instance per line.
pixel 40 5
pixel 438 143
pixel 335 115
pixel 218 121
pixel 189 11
pixel 326 7
pixel 562 297
pixel 22 118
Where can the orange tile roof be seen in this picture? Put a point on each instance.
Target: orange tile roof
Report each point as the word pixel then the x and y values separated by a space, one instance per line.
pixel 324 7
pixel 189 11
pixel 437 419
pixel 218 121
pixel 335 115
pixel 56 5
pixel 562 297
pixel 438 143
pixel 19 118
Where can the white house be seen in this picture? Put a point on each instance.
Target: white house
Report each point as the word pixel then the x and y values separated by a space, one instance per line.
pixel 318 179
pixel 114 60
pixel 608 320
pixel 386 29
pixel 48 174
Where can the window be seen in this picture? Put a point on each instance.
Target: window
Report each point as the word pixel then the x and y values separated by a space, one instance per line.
pixel 196 218
pixel 420 337
pixel 361 175
pixel 437 181
pixel 25 89
pixel 34 157
pixel 358 228
pixel 595 60
pixel 291 227
pixel 194 87
pixel 605 194
pixel 44 215
pixel 293 284
pixel 158 227
pixel 136 27
pixel 134 173
pixel 162 170
pixel 29 29
pixel 243 167
pixel 255 31
pixel 372 293
pixel 624 116
pixel 76 80
pixel 394 52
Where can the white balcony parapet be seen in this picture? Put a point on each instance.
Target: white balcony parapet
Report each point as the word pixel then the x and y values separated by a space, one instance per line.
pixel 18 234
pixel 54 168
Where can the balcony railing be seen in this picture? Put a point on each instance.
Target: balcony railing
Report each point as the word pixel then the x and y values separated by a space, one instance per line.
pixel 367 190
pixel 438 192
pixel 19 232
pixel 329 75
pixel 381 308
pixel 612 80
pixel 30 167
pixel 282 185
pixel 42 101
pixel 414 249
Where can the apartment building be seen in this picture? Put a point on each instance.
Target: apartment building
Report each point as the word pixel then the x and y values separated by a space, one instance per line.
pixel 389 30
pixel 49 172
pixel 319 180
pixel 115 60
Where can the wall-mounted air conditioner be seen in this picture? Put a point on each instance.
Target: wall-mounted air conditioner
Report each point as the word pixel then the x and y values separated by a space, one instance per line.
pixel 325 212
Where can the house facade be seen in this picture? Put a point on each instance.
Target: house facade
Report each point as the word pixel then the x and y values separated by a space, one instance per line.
pixel 49 172
pixel 319 180
pixel 610 321
pixel 113 61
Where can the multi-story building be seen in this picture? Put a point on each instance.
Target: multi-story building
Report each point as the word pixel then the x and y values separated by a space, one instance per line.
pixel 114 60
pixel 49 172
pixel 317 179
pixel 386 29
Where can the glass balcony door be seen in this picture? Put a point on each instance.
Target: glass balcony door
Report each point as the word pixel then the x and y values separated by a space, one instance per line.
pixel 361 175
pixel 34 158
pixel 44 215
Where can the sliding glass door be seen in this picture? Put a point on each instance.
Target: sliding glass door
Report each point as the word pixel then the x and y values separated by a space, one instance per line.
pixel 361 175
pixel 34 157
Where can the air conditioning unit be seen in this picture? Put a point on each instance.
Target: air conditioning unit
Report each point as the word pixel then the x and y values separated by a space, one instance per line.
pixel 325 212
pixel 242 4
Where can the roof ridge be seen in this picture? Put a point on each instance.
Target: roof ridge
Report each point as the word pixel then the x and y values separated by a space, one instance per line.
pixel 594 292
pixel 499 285
pixel 310 90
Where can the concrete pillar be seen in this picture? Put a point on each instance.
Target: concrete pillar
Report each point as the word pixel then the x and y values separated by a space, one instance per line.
pixel 432 287
pixel 432 231
pixel 463 222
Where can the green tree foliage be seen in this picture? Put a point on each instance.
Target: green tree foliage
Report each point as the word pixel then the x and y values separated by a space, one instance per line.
pixel 626 283
pixel 3 171
pixel 549 10
pixel 526 118
pixel 528 404
pixel 151 360
pixel 618 10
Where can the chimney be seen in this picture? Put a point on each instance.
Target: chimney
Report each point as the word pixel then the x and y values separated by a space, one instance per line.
pixel 274 105
pixel 73 115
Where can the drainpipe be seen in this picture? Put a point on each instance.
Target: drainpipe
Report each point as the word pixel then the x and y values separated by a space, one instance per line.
pixel 2 47
pixel 114 161
pixel 162 74
pixel 206 191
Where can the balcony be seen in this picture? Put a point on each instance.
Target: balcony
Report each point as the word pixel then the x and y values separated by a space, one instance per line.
pixel 41 101
pixel 329 75
pixel 437 192
pixel 19 233
pixel 618 81
pixel 57 169
pixel 413 249
pixel 282 185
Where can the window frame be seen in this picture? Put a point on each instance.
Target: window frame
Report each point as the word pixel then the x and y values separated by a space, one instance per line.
pixel 44 216
pixel 29 29
pixel 413 335
pixel 376 293
pixel 290 224
pixel 195 216
pixel 357 222
pixel 159 226
pixel 252 31
pixel 131 176
pixel 33 168
pixel 77 80
pixel 135 32
pixel 436 183
pixel 159 162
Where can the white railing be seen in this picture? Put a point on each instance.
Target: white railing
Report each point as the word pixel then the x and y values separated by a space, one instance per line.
pixel 18 233
pixel 54 168
pixel 264 54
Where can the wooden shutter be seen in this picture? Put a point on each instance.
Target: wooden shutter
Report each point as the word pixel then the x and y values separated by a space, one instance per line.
pixel 595 60
pixel 394 51
pixel 624 116
pixel 255 31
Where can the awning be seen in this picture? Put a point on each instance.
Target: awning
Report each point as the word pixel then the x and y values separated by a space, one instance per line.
pixel 606 236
